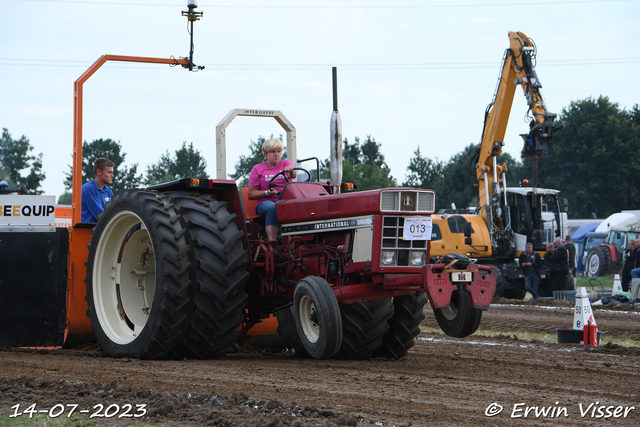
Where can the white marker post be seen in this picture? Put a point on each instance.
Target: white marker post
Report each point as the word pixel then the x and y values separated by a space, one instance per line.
pixel 583 312
pixel 585 330
pixel 617 285
pixel 583 319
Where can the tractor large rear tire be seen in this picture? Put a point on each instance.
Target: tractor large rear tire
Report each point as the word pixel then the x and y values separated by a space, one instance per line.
pixel 599 262
pixel 137 277
pixel 404 326
pixel 218 259
pixel 365 323
pixel 460 319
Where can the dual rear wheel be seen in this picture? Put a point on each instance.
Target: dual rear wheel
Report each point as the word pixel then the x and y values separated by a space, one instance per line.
pixel 165 276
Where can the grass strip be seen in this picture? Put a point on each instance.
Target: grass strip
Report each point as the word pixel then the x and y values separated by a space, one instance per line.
pixel 532 336
pixel 42 420
pixel 596 282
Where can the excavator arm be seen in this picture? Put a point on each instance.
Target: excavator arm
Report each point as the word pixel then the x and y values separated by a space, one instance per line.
pixel 518 69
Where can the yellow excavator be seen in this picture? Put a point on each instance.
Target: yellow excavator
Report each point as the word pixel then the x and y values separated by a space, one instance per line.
pixel 496 232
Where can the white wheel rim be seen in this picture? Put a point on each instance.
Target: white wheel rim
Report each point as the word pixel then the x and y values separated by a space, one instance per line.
pixel 306 309
pixel 123 279
pixel 594 263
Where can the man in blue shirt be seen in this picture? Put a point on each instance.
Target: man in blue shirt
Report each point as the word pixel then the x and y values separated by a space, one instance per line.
pixel 96 192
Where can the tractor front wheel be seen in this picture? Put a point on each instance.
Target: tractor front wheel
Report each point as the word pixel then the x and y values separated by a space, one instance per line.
pixel 317 315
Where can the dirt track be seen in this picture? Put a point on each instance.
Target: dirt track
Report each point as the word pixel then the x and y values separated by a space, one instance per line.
pixel 443 381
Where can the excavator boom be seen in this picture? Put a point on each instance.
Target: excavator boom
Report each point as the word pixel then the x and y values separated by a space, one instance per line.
pixel 507 218
pixel 518 69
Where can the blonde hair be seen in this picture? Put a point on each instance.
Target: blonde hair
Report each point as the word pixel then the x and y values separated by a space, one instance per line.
pixel 272 145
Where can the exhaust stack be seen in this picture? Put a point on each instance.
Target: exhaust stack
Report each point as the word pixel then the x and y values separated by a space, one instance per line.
pixel 336 137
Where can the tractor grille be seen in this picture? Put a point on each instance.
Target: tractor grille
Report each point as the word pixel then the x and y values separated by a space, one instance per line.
pixel 407 201
pixel 403 251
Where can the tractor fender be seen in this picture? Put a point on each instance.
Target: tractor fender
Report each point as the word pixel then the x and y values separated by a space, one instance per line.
pixel 227 191
pixel 613 252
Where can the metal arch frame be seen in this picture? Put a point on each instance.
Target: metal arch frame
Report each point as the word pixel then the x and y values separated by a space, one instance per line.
pixel 78 95
pixel 77 323
pixel 221 135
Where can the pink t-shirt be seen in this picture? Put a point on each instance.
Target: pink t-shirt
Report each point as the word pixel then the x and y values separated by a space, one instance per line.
pixel 262 173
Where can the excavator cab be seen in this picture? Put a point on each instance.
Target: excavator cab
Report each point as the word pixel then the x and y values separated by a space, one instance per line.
pixel 536 217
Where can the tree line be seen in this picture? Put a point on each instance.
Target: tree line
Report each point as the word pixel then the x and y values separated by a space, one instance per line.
pixel 184 163
pixel 595 162
pixel 15 157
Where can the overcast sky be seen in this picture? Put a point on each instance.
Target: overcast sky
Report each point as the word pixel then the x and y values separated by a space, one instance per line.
pixel 410 73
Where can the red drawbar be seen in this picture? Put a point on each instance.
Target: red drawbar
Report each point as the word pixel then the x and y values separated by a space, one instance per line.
pixel 481 289
pixel 439 287
pixel 483 286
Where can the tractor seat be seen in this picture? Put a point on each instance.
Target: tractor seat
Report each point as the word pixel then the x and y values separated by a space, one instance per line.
pixel 249 206
pixel 254 222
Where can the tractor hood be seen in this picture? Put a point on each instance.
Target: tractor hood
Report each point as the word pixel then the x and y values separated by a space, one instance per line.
pixel 310 201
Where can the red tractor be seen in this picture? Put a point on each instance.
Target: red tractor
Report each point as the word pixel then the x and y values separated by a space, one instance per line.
pixel 176 270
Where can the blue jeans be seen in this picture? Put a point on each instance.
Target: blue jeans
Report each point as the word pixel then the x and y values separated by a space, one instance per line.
pixel 267 209
pixel 531 285
pixel 635 273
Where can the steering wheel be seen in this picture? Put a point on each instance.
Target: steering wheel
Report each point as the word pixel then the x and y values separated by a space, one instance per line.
pixel 283 173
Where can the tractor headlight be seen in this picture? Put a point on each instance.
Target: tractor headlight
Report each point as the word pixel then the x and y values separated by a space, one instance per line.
pixel 388 257
pixel 416 257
